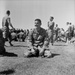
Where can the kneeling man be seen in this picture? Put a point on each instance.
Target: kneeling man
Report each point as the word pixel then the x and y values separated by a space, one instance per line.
pixel 38 41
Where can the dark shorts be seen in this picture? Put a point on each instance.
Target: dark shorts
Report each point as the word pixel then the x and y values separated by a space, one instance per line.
pixel 6 32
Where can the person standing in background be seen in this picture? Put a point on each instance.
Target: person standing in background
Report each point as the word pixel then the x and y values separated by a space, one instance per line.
pixel 6 21
pixel 50 30
pixel 38 41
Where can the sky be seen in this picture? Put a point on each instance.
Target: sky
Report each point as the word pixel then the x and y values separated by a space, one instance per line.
pixel 24 12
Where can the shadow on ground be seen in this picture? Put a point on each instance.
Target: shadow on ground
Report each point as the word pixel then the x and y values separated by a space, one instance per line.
pixel 59 45
pixel 19 46
pixel 9 54
pixel 7 72
pixel 16 46
pixel 54 54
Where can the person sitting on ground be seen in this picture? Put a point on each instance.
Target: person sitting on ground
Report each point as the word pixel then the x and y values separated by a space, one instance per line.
pixel 38 41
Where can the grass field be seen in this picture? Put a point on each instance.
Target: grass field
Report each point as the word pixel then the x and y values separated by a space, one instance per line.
pixel 62 61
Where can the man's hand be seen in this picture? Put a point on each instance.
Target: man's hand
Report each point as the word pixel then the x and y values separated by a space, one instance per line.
pixel 13 28
pixel 32 50
pixel 41 51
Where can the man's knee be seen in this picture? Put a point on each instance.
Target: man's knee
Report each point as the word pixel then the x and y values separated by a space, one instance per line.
pixel 27 54
pixel 47 53
pixel 31 53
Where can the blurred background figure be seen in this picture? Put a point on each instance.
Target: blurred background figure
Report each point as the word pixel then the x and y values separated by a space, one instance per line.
pixel 50 31
pixel 6 21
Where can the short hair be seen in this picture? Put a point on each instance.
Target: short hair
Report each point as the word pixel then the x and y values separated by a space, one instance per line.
pixel 56 24
pixel 52 17
pixel 70 23
pixel 38 20
pixel 67 23
pixel 7 12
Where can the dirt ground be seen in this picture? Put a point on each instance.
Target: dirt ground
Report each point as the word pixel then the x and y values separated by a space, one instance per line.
pixel 62 61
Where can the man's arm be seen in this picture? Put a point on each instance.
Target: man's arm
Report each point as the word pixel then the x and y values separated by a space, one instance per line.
pixel 45 45
pixel 46 41
pixel 3 22
pixel 53 25
pixel 48 24
pixel 29 40
pixel 10 23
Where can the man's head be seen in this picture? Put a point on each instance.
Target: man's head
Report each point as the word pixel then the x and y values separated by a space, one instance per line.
pixel 67 23
pixel 8 12
pixel 37 23
pixel 70 23
pixel 51 18
pixel 56 25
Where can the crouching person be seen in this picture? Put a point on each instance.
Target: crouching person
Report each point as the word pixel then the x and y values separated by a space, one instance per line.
pixel 2 49
pixel 38 42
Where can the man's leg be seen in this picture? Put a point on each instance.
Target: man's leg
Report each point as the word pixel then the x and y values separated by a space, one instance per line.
pixel 41 51
pixel 5 36
pixel 2 50
pixel 28 54
pixel 47 53
pixel 31 52
pixel 52 38
pixel 57 36
pixel 10 39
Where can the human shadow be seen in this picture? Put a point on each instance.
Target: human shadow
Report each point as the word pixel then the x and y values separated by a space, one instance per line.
pixel 7 72
pixel 60 45
pixel 17 46
pixel 53 55
pixel 9 54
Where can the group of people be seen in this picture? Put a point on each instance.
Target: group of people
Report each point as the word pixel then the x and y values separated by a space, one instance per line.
pixel 19 34
pixel 38 39
pixel 70 31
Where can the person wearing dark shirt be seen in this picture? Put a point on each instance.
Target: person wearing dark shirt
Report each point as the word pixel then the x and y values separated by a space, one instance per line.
pixel 37 41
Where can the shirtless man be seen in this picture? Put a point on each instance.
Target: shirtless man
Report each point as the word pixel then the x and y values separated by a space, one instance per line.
pixel 51 29
pixel 6 21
